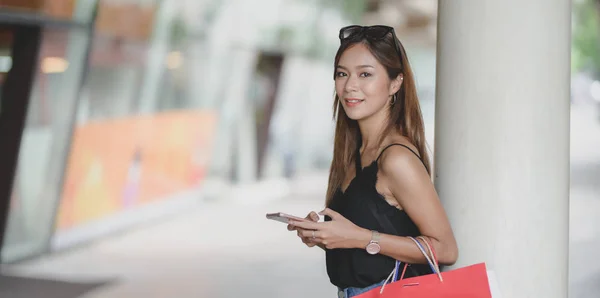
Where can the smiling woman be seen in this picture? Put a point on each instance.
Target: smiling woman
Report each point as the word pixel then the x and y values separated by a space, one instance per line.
pixel 380 191
pixel 360 79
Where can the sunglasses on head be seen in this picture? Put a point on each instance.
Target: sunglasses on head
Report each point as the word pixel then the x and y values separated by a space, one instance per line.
pixel 377 32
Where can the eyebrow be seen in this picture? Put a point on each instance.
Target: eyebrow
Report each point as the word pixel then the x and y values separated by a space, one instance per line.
pixel 359 66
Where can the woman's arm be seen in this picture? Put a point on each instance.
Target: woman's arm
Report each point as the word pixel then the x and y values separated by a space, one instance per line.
pixel 405 250
pixel 409 183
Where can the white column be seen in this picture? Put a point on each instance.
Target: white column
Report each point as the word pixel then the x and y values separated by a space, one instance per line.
pixel 502 138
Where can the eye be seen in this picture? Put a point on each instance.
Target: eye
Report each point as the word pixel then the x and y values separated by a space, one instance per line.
pixel 365 74
pixel 340 74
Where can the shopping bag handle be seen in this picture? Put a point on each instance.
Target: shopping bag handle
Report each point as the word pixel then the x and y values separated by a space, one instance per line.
pixel 433 256
pixel 431 260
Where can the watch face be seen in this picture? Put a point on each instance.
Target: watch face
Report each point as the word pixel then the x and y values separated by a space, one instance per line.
pixel 373 248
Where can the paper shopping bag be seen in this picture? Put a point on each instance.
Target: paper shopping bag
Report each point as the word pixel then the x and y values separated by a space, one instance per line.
pixel 467 282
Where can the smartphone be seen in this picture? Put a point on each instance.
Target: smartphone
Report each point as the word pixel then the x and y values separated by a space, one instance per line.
pixel 284 218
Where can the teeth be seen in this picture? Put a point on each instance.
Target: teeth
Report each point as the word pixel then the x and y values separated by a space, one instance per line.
pixel 354 100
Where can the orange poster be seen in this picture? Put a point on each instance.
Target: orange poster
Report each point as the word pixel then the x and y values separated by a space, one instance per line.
pixel 123 163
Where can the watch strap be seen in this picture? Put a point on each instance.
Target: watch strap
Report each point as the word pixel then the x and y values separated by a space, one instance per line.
pixel 375 237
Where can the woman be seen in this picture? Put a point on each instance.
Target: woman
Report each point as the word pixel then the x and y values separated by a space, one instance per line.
pixel 380 189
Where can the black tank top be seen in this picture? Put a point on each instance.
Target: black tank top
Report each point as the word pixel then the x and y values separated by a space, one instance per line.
pixel 365 207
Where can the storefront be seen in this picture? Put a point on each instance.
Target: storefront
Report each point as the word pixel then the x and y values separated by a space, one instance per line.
pixel 44 46
pixel 98 128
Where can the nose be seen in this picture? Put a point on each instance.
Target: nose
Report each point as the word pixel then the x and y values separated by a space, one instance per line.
pixel 351 84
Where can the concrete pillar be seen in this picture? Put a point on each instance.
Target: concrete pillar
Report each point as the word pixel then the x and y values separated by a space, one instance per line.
pixel 502 138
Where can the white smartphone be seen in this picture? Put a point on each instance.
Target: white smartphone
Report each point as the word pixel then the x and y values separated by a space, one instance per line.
pixel 283 217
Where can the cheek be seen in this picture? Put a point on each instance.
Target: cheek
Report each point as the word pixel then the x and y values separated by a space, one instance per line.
pixel 339 87
pixel 375 90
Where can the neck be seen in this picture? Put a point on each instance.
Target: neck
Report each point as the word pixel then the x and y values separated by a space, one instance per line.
pixel 371 129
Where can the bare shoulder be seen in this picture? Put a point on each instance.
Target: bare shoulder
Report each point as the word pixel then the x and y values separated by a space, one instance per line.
pixel 401 159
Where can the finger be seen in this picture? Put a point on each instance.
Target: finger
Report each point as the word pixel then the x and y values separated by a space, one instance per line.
pixel 307 240
pixel 330 213
pixel 311 242
pixel 305 234
pixel 313 216
pixel 314 240
pixel 306 225
pixel 291 228
pixel 310 235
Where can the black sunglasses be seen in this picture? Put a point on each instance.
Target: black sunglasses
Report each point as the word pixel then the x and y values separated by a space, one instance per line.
pixel 377 32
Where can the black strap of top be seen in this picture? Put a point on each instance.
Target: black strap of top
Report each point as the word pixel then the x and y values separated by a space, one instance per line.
pixel 358 162
pixel 398 144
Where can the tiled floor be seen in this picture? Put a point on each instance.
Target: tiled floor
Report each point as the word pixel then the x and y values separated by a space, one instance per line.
pixel 199 254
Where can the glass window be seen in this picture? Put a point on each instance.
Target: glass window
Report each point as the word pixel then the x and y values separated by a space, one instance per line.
pixel 45 141
pixel 113 80
pixel 136 141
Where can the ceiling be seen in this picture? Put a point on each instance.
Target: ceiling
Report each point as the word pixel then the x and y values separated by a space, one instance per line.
pixel 414 20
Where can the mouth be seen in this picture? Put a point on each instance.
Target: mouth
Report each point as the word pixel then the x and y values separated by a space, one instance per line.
pixel 351 102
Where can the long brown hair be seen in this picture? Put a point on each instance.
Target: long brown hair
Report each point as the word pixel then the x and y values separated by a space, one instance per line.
pixel 405 113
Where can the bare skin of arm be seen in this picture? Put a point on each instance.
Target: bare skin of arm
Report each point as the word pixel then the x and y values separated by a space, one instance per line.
pixel 409 184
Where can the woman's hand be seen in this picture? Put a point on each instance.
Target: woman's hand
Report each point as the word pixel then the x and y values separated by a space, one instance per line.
pixel 337 233
pixel 313 217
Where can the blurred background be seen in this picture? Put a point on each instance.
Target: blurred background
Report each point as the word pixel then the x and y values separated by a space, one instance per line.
pixel 159 132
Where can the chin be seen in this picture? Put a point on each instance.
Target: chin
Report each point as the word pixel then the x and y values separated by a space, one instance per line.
pixel 357 116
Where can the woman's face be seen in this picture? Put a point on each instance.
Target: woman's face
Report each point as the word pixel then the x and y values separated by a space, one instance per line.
pixel 362 83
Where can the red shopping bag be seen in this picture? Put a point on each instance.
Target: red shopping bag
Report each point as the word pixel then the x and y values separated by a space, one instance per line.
pixel 467 282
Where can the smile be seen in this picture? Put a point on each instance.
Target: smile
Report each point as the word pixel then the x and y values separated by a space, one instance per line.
pixel 351 102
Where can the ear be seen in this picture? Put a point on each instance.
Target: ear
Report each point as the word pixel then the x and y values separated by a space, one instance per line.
pixel 396 84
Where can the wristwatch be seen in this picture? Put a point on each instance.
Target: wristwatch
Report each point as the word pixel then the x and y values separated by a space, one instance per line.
pixel 373 247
